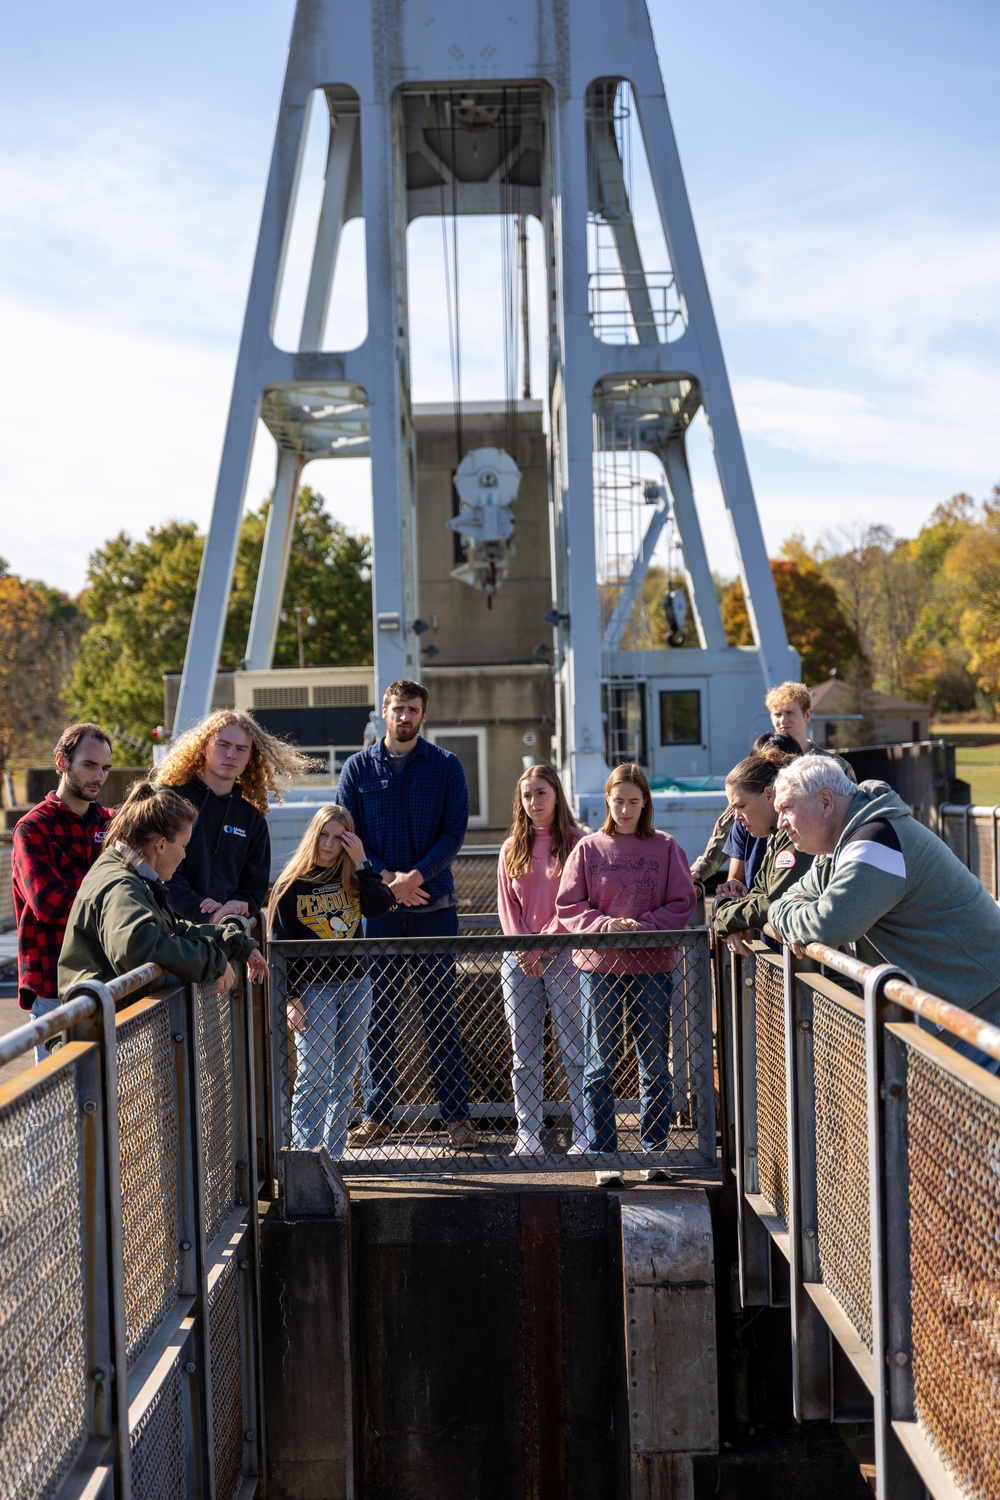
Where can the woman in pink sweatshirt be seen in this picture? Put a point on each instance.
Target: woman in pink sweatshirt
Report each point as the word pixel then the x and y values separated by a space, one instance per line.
pixel 531 863
pixel 630 877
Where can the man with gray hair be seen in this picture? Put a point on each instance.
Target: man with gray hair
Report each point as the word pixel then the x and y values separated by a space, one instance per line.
pixel 886 884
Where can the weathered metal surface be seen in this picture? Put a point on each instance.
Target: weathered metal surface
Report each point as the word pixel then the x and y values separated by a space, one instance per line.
pixel 669 1276
pixel 771 1086
pixel 116 1390
pixel 542 1349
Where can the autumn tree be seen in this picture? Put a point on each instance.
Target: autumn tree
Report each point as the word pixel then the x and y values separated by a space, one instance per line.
pixel 881 592
pixel 38 628
pixel 140 596
pixel 972 569
pixel 814 620
pixel 937 667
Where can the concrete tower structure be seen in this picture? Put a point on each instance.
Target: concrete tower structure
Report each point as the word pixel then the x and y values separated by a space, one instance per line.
pixel 438 107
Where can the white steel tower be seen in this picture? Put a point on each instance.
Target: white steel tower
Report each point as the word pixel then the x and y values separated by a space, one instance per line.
pixel 441 107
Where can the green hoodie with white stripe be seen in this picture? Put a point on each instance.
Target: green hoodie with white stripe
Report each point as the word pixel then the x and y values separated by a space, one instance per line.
pixel 895 891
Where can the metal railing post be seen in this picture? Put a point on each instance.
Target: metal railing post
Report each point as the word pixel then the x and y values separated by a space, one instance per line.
pixel 889 1205
pixel 754 1243
pixel 99 1027
pixel 191 1221
pixel 810 1335
pixel 702 1083
pixel 245 1141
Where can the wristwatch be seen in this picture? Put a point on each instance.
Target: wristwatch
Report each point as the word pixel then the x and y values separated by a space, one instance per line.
pixel 366 864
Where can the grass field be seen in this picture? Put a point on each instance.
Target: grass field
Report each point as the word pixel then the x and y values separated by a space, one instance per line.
pixel 977 758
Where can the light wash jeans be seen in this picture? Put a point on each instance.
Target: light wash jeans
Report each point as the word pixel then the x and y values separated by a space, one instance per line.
pixel 328 1055
pixel 41 1007
pixel 605 997
pixel 524 999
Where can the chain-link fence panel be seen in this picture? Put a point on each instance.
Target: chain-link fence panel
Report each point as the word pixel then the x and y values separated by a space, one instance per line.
pixel 227 1379
pixel 216 1074
pixel 43 1390
pixel 954 1161
pixel 475 876
pixel 843 1222
pixel 148 1135
pixel 159 1441
pixel 772 1100
pixel 473 1053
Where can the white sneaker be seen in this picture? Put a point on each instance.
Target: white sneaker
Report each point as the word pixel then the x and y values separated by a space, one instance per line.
pixel 610 1176
pixel 654 1174
pixel 580 1146
pixel 527 1145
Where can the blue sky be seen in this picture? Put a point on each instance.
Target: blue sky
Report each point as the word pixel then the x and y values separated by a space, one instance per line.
pixel 843 168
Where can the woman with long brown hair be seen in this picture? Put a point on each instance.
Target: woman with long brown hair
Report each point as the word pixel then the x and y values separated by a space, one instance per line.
pixel 325 889
pixel 531 863
pixel 750 789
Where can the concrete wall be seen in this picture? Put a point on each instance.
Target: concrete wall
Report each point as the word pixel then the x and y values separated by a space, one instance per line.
pixel 467 631
pixel 509 703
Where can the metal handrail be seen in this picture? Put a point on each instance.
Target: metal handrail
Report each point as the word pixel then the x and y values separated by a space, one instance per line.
pixel 941 1013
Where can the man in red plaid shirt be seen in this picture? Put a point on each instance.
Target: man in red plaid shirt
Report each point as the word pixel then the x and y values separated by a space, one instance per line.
pixel 54 846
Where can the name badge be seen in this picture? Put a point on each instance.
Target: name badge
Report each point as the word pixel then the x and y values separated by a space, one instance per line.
pixel 785 860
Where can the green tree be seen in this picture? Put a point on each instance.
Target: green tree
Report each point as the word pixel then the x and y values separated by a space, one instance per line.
pixel 813 618
pixel 140 596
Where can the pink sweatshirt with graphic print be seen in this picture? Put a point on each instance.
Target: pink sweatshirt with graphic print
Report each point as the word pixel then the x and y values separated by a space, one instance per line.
pixel 620 875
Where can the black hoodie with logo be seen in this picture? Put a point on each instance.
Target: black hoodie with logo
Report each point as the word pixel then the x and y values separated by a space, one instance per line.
pixel 229 856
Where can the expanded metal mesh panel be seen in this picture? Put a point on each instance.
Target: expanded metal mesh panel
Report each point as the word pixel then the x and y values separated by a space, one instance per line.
pixel 843 1226
pixel 216 1066
pixel 972 840
pixel 954 1158
pixel 227 1381
pixel 147 1123
pixel 772 1104
pixel 43 1362
pixel 485 1051
pixel 157 1442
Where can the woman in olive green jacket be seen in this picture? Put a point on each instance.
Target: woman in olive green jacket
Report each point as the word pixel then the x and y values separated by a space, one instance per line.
pixel 121 917
pixel 750 789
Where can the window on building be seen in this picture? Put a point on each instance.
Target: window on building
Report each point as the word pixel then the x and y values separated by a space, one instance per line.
pixel 470 747
pixel 680 717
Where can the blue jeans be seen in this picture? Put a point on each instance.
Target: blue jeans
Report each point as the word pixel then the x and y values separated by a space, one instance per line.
pixel 524 1000
pixel 605 997
pixel 434 981
pixel 40 1007
pixel 327 1055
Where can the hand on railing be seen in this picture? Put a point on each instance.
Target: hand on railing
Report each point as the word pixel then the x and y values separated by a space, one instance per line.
pixel 257 967
pixel 224 984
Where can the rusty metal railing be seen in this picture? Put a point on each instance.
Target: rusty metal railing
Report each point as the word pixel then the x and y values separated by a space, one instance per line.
pixel 867 1157
pixel 128 1281
pixel 973 835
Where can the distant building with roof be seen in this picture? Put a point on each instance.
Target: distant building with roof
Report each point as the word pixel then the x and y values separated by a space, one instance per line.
pixel 884 720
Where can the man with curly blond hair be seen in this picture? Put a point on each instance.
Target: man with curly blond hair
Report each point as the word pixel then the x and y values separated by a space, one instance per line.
pixel 227 765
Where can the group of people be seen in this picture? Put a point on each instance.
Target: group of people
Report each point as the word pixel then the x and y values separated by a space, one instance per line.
pixel 171 875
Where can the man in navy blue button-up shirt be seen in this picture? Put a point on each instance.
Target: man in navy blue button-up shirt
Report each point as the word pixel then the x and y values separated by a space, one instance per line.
pixel 410 806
